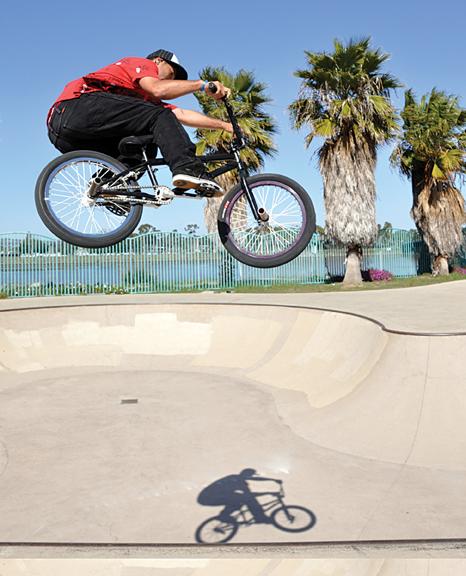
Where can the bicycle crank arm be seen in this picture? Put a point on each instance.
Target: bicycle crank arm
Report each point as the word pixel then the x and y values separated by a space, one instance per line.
pixel 146 201
pixel 110 195
pixel 181 193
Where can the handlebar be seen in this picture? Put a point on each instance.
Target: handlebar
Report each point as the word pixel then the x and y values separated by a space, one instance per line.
pixel 280 493
pixel 240 140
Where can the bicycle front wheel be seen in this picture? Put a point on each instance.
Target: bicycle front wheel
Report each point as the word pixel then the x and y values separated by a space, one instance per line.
pixel 216 531
pixel 286 230
pixel 66 208
pixel 293 518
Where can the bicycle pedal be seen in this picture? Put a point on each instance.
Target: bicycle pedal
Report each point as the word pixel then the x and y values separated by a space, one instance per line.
pixel 164 194
pixel 209 191
pixel 118 210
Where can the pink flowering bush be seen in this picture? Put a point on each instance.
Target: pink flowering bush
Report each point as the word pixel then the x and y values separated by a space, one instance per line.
pixel 460 270
pixel 378 275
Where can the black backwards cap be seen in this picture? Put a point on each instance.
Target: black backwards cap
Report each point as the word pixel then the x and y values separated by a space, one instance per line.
pixel 170 57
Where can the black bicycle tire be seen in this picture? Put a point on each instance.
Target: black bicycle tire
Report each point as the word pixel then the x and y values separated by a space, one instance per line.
pixel 201 526
pixel 294 251
pixel 309 513
pixel 54 225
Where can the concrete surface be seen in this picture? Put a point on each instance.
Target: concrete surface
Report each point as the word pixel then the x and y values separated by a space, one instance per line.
pixel 257 567
pixel 116 412
pixel 439 308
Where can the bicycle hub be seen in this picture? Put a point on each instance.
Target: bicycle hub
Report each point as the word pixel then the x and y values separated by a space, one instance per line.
pixel 263 215
pixel 94 186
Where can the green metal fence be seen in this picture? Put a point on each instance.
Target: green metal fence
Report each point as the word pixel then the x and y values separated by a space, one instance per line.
pixel 32 265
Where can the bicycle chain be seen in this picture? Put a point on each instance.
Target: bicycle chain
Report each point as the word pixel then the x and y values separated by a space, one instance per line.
pixel 132 200
pixel 127 188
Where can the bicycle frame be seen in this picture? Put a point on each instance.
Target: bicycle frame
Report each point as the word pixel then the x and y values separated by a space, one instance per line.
pixel 233 160
pixel 277 502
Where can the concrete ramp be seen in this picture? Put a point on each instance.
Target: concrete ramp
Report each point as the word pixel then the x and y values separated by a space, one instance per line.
pixel 115 418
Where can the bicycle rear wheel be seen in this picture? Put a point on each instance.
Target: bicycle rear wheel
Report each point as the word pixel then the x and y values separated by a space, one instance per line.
pixel 69 212
pixel 289 227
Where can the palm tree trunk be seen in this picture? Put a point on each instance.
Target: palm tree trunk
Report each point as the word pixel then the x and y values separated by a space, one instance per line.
pixel 353 276
pixel 439 213
pixel 211 214
pixel 349 194
pixel 440 266
pixel 226 181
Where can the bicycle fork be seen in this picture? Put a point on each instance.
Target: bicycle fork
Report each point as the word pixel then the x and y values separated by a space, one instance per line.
pixel 259 214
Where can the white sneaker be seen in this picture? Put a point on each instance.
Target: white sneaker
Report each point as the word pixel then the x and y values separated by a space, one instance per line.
pixel 203 183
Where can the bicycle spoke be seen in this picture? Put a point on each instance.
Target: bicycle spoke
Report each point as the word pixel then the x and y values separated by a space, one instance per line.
pixel 68 200
pixel 270 238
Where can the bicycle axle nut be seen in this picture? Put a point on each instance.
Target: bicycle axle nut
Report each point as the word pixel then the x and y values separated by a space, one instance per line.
pixel 94 187
pixel 263 215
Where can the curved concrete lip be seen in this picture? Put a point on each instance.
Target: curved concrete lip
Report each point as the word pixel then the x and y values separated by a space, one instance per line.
pixel 435 309
pixel 114 419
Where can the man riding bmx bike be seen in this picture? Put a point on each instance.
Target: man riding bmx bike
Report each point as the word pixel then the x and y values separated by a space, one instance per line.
pixel 126 98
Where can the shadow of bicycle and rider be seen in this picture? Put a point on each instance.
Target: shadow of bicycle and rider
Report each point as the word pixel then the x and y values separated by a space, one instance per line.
pixel 248 498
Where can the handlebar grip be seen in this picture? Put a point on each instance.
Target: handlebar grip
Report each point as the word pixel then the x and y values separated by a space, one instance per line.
pixel 212 87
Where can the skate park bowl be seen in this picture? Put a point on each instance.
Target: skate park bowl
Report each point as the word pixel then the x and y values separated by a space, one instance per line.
pixel 116 417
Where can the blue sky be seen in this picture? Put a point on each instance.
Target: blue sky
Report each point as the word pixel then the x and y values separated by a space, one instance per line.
pixel 48 43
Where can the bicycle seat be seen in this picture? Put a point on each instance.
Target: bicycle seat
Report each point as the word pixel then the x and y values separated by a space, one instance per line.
pixel 131 145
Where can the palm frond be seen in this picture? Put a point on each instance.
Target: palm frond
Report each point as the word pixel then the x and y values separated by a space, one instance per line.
pixel 433 134
pixel 347 87
pixel 248 99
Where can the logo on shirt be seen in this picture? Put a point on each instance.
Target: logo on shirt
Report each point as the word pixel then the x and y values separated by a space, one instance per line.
pixel 138 69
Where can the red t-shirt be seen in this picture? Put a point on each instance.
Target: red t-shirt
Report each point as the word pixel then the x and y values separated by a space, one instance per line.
pixel 125 74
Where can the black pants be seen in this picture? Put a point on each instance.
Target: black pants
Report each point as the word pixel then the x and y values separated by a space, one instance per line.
pixel 99 120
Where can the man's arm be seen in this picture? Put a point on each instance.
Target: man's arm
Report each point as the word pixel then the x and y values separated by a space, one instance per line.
pixel 263 478
pixel 169 89
pixel 198 120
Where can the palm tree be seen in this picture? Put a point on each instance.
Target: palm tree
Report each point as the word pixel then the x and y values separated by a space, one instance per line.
pixel 248 98
pixel 191 229
pixel 431 152
pixel 344 99
pixel 146 229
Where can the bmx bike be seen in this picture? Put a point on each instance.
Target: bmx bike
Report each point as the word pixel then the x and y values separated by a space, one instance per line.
pixel 92 200
pixel 290 518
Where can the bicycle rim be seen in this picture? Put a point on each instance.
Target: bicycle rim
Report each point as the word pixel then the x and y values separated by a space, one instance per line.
pixel 284 228
pixel 68 202
pixel 293 519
